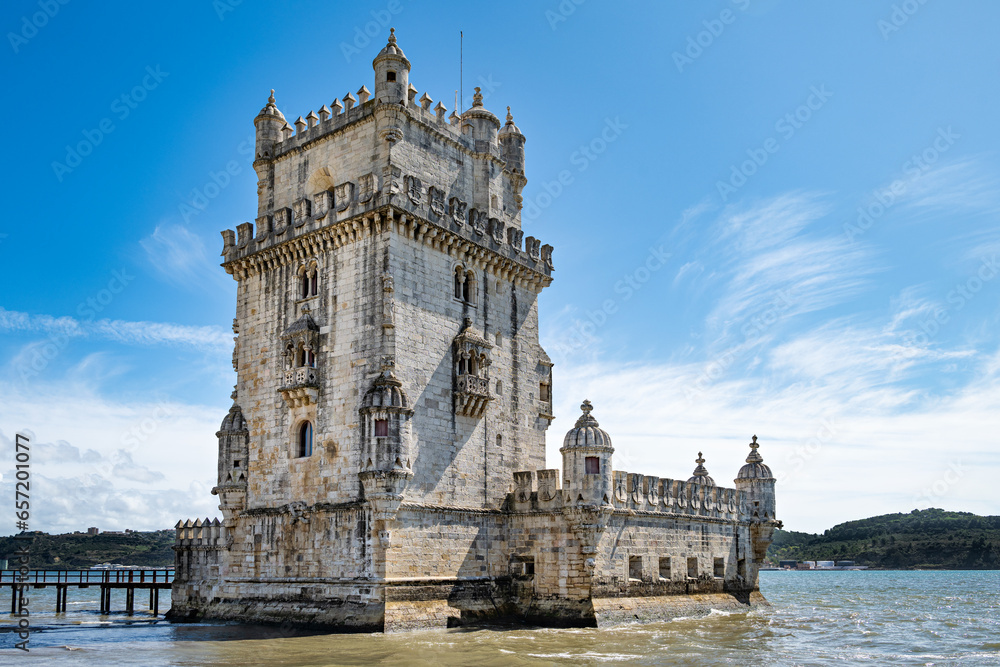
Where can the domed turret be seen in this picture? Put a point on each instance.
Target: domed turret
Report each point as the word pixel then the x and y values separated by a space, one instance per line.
pixel 268 123
pixel 757 483
pixel 512 146
pixel 385 416
pixel 392 73
pixel 587 454
pixel 755 467
pixel 700 475
pixel 482 124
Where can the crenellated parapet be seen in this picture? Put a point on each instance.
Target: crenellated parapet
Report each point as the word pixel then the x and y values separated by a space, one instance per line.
pixel 304 186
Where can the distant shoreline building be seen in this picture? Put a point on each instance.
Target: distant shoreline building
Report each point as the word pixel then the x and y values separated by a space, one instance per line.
pixel 381 465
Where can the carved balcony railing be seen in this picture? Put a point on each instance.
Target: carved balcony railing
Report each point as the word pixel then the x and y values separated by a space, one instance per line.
pixel 300 386
pixel 472 395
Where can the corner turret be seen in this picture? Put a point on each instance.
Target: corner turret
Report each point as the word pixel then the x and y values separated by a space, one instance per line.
pixel 479 122
pixel 757 484
pixel 587 454
pixel 268 123
pixel 392 73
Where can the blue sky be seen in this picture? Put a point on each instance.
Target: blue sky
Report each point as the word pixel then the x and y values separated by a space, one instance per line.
pixel 770 218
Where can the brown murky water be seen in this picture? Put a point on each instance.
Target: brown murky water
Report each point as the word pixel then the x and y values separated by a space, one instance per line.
pixel 818 618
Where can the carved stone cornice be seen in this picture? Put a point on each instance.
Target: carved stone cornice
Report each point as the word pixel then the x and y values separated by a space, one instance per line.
pixel 405 223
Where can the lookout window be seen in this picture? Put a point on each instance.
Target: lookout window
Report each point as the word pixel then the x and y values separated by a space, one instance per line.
pixel 665 567
pixel 381 428
pixel 543 392
pixel 390 76
pixel 305 439
pixel 720 568
pixel 635 567
pixel 309 283
pixel 592 465
pixel 693 567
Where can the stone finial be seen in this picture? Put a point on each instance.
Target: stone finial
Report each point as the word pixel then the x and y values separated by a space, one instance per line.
pixel 312 118
pixel 287 132
pixel 477 99
pixel 411 94
pixel 324 113
pixel 754 456
pixel 586 419
pixel 425 102
pixel 300 125
pixel 510 118
pixel 337 107
pixel 439 110
pixel 392 35
pixel 349 101
pixel 364 94
pixel 270 98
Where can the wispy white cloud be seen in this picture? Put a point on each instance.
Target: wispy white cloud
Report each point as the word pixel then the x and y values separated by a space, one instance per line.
pixel 130 333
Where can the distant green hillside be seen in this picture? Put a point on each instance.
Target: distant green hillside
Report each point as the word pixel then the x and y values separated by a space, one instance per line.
pixel 922 539
pixel 70 552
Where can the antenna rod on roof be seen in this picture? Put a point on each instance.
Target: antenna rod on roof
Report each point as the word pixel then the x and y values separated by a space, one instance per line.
pixel 461 81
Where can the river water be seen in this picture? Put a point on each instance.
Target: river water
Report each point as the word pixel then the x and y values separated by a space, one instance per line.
pixel 817 618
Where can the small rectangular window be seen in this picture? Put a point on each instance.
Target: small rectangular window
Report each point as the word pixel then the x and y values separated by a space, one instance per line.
pixel 635 567
pixel 665 567
pixel 693 567
pixel 390 76
pixel 543 391
pixel 741 568
pixel 592 465
pixel 719 568
pixel 381 427
pixel 236 463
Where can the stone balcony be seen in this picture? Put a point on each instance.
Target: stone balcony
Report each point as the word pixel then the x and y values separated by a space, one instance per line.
pixel 472 395
pixel 300 386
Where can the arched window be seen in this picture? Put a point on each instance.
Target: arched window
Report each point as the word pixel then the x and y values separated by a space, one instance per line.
pixel 305 439
pixel 465 285
pixel 302 355
pixel 311 359
pixel 308 282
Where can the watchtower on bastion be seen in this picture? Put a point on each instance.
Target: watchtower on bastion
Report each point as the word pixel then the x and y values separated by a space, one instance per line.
pixel 380 467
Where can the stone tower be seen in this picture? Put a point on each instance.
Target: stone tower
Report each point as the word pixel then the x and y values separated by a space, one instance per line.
pixel 380 468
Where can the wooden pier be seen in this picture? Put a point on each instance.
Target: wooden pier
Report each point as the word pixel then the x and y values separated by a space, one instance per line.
pixel 108 580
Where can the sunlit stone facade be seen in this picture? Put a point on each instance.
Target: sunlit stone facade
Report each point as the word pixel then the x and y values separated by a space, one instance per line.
pixel 381 465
